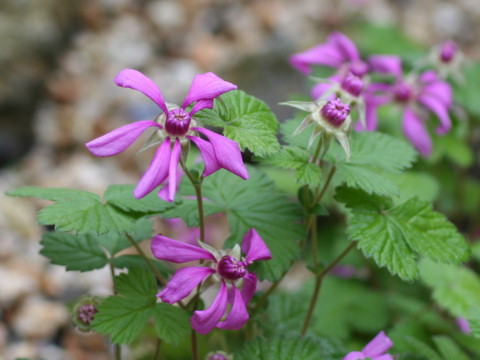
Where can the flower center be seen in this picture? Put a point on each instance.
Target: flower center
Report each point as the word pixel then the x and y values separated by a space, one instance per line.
pixel 177 122
pixel 403 92
pixel 335 112
pixel 86 313
pixel 352 84
pixel 231 268
pixel 447 51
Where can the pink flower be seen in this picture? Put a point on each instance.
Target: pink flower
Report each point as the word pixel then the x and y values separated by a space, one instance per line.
pixel 417 95
pixel 463 325
pixel 374 350
pixel 175 127
pixel 228 269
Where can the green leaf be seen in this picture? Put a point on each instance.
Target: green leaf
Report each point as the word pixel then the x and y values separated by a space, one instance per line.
pixel 252 203
pixel 466 93
pixel 281 348
pixel 125 315
pixel 76 253
pixel 423 349
pixel 115 243
pixel 396 236
pixel 136 261
pixel 455 288
pixel 285 314
pixel 172 323
pixel 85 212
pixel 474 320
pixel 291 157
pixel 372 154
pixel 245 119
pixel 449 349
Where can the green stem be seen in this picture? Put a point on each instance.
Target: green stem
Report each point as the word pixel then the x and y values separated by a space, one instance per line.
pixel 314 241
pixel 325 186
pixel 318 284
pixel 118 349
pixel 157 349
pixel 198 192
pixel 317 150
pixel 147 260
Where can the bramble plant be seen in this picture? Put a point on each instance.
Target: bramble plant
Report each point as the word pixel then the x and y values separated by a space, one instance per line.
pixel 358 212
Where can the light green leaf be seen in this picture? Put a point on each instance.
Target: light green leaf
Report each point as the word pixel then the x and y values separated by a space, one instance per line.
pixel 125 315
pixel 449 349
pixel 466 93
pixel 455 288
pixel 245 119
pixel 474 320
pixel 397 236
pixel 85 212
pixel 76 253
pixel 291 157
pixel 252 203
pixel 172 323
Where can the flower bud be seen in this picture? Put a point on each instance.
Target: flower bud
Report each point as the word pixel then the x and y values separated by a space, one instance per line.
pixel 352 84
pixel 84 312
pixel 177 122
pixel 403 92
pixel 335 112
pixel 447 51
pixel 231 268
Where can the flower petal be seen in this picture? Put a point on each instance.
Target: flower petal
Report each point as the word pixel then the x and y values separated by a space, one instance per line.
pixel 119 139
pixel 249 287
pixel 205 321
pixel 227 152
pixel 324 54
pixel 172 170
pixel 345 46
pixel 378 345
pixel 183 283
pixel 133 79
pixel 156 173
pixel 163 192
pixel 206 86
pixel 438 109
pixel 386 64
pixel 354 355
pixel 208 155
pixel 164 248
pixel 319 90
pixel 201 104
pixel 415 131
pixel 238 315
pixel 254 247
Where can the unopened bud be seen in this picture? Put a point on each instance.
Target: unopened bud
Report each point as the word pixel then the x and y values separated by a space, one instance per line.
pixel 447 51
pixel 335 112
pixel 352 84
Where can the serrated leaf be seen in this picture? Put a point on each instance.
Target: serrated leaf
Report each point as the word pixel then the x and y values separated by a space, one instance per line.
pixel 396 236
pixel 172 323
pixel 252 203
pixel 136 261
pixel 474 320
pixel 122 197
pixel 449 349
pixel 455 288
pixel 285 314
pixel 281 348
pixel 125 315
pixel 423 349
pixel 291 157
pixel 245 119
pixel 85 212
pixel 115 243
pixel 76 253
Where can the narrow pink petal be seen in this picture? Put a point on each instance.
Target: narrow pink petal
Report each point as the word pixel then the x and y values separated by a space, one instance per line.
pixel 207 86
pixel 429 76
pixel 156 173
pixel 164 248
pixel 415 131
pixel 201 104
pixel 386 64
pixel 134 79
pixel 254 247
pixel 249 287
pixel 208 155
pixel 163 192
pixel 118 140
pixel 321 88
pixel 345 46
pixel 183 283
pixel 324 54
pixel 441 90
pixel 227 153
pixel 438 109
pixel 378 345
pixel 238 315
pixel 172 170
pixel 354 355
pixel 205 321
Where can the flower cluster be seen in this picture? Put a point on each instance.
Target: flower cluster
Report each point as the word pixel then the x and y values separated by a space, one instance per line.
pixel 417 94
pixel 226 271
pixel 176 127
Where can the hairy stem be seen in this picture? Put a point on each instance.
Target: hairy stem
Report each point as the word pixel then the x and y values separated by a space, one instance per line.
pixel 318 284
pixel 118 349
pixel 157 349
pixel 325 186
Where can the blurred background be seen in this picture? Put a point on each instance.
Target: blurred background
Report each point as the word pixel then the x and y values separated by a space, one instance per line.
pixel 58 60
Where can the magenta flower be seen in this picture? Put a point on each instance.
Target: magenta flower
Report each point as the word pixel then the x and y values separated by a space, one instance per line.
pixel 463 325
pixel 374 350
pixel 228 269
pixel 417 95
pixel 176 126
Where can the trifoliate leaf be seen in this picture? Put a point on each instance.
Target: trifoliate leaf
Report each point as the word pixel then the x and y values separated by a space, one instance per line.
pixel 397 236
pixel 371 155
pixel 252 203
pixel 172 323
pixel 245 119
pixel 76 253
pixel 292 157
pixel 455 288
pixel 281 348
pixel 125 315
pixel 85 212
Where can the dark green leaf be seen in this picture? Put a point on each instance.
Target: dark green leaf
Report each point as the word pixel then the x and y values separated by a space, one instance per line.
pixel 172 323
pixel 281 348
